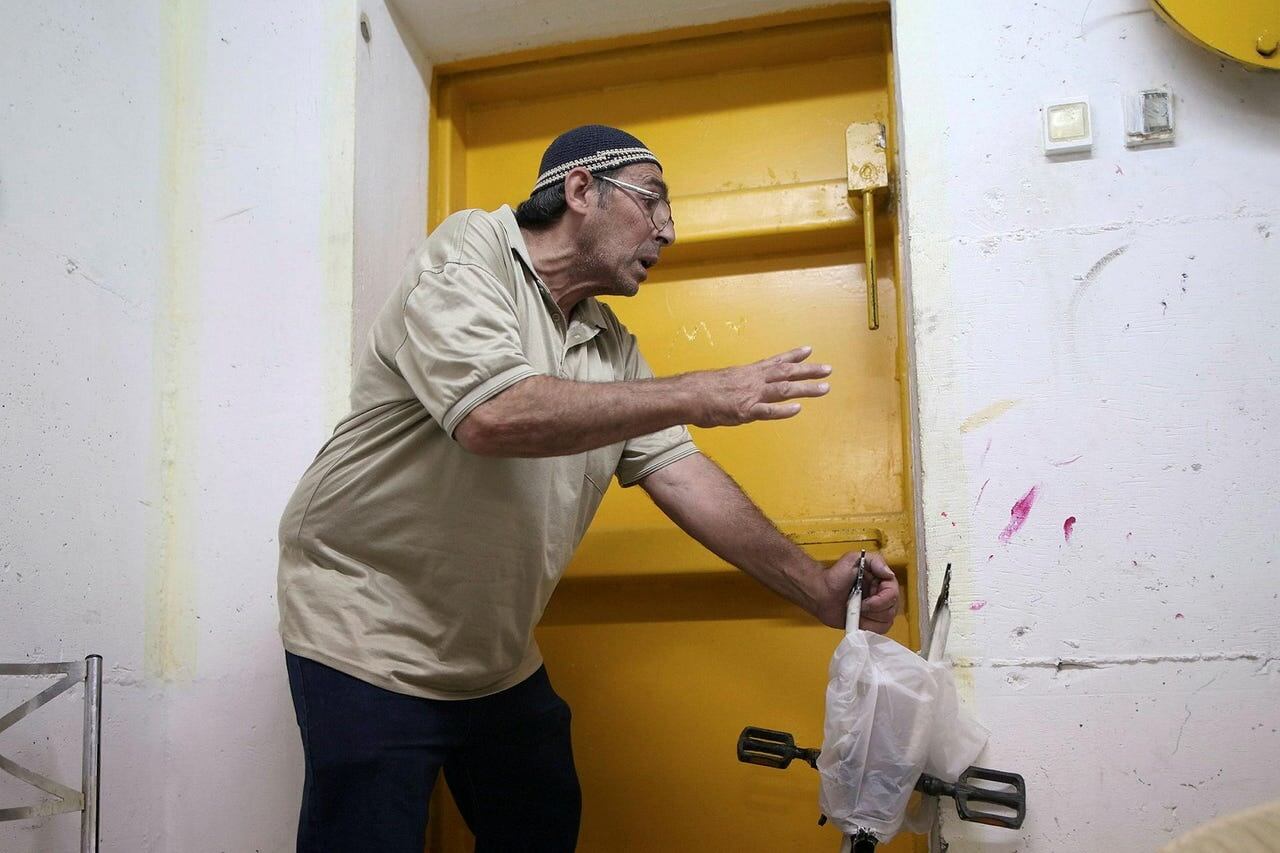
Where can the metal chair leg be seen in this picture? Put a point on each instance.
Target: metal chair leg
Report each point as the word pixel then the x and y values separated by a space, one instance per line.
pixel 91 764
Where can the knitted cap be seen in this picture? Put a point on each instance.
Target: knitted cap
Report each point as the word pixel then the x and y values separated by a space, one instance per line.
pixel 594 147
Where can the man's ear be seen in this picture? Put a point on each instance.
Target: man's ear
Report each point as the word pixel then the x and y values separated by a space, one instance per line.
pixel 577 189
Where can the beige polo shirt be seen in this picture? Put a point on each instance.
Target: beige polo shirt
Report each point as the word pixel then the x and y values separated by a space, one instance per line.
pixel 409 562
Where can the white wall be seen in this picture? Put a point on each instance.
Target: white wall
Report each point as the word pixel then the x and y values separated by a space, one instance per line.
pixel 179 238
pixel 1103 328
pixel 393 96
pixel 450 30
pixel 175 304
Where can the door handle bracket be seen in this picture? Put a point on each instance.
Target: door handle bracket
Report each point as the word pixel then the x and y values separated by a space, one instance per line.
pixel 868 163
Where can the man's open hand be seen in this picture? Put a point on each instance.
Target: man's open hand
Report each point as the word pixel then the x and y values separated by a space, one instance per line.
pixel 759 391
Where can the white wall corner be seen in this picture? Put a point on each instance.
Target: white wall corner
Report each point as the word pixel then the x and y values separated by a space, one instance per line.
pixel 392 110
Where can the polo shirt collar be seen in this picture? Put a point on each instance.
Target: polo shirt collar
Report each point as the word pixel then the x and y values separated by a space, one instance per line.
pixel 507 217
pixel 588 310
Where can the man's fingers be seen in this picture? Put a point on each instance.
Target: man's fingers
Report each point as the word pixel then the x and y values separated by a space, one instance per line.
pixel 789 381
pixel 878 567
pixel 788 370
pixel 774 411
pixel 867 618
pixel 786 378
pixel 884 617
pixel 883 587
pixel 777 391
pixel 883 600
pixel 790 356
pixel 883 605
pixel 879 626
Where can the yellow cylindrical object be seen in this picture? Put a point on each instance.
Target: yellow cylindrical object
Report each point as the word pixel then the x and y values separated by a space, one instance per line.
pixel 1243 30
pixel 869 237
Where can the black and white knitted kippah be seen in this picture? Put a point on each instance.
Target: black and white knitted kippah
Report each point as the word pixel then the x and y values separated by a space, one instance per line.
pixel 594 147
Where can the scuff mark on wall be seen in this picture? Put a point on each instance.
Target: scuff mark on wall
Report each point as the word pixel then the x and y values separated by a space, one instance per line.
pixel 1187 707
pixel 1100 661
pixel 236 213
pixel 74 267
pixel 1097 268
pixel 1092 275
pixel 691 334
pixel 987 414
pixel 1018 514
pixel 170 640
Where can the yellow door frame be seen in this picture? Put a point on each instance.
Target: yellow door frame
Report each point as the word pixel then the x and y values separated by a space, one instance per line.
pixel 455 84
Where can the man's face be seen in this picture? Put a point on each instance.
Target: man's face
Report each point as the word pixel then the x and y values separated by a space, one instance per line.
pixel 619 238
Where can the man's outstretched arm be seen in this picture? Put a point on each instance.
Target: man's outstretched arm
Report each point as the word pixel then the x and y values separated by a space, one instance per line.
pixel 545 416
pixel 707 504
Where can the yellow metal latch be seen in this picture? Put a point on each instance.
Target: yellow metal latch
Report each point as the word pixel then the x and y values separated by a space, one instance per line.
pixel 868 172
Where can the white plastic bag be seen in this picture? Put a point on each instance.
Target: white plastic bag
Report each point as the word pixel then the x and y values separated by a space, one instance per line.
pixel 891 715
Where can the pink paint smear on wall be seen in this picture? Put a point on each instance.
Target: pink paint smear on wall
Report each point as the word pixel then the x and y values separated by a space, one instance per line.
pixel 1068 526
pixel 1018 515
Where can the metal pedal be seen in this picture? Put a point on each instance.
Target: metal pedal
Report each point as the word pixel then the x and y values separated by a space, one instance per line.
pixel 1006 792
pixel 769 748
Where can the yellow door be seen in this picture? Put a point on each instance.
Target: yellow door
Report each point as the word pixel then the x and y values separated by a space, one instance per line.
pixel 663 651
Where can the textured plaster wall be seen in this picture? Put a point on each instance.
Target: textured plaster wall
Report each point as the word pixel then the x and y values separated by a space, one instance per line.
pixel 1096 364
pixel 393 95
pixel 191 203
pixel 176 197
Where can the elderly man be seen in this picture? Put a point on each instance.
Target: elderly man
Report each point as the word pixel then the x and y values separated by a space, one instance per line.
pixel 495 399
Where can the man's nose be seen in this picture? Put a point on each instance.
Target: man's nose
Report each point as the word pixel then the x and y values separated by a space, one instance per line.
pixel 667 235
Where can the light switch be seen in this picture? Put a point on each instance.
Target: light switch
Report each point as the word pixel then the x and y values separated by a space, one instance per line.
pixel 1067 126
pixel 1148 117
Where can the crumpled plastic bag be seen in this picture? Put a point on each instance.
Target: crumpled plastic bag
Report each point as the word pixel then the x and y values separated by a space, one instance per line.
pixel 891 715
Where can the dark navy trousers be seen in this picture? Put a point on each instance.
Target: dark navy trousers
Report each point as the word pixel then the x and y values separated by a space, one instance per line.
pixel 372 757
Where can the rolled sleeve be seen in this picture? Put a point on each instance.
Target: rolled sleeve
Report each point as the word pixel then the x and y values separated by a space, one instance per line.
pixel 645 454
pixel 462 341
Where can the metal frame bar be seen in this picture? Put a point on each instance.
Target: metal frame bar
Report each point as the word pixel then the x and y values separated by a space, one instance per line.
pixel 85 800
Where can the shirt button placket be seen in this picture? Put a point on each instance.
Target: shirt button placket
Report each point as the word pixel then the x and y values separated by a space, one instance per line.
pixel 571 339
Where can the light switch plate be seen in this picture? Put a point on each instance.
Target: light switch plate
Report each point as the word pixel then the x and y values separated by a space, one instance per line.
pixel 1067 126
pixel 1148 117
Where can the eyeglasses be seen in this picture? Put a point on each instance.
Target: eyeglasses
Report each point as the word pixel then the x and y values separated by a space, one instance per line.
pixel 658 208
